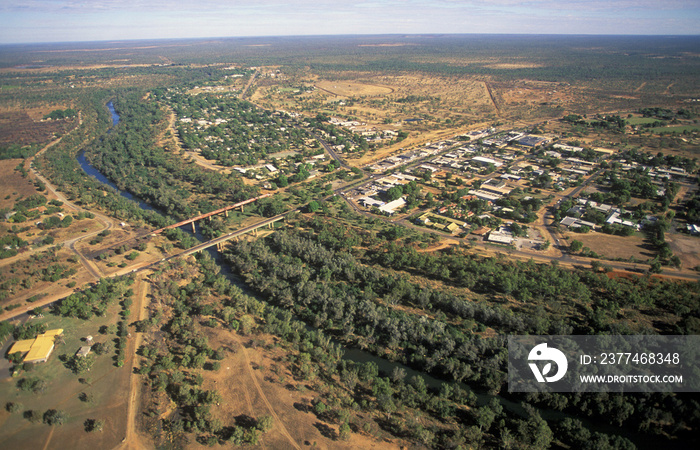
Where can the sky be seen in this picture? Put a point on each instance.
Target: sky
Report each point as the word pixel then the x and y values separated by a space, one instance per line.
pixel 96 20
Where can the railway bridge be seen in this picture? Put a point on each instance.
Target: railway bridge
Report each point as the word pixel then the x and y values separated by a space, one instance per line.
pixel 212 213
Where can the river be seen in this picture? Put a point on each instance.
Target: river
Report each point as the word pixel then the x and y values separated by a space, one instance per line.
pixel 93 172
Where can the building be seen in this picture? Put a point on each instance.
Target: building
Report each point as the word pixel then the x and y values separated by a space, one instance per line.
pixel 531 141
pixel 37 350
pixel 496 186
pixel 501 236
pixel 483 161
pixel 605 151
pixel 452 227
pixel 615 218
pixel 369 202
pixel 568 148
pixel 483 195
pixel 481 231
pixel 391 207
pixel 573 222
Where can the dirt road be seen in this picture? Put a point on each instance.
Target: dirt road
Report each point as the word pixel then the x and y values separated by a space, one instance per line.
pixel 132 439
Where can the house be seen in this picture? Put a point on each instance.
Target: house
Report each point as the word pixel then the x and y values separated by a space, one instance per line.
pixel 83 351
pixel 573 222
pixel 615 218
pixel 507 176
pixel 481 231
pixel 452 227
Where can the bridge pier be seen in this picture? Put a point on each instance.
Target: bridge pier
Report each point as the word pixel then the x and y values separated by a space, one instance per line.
pixel 193 228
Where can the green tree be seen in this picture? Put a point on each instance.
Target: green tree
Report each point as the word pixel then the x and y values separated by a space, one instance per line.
pixel 535 431
pixel 265 423
pixel 344 432
pixel 576 246
pixel 81 364
pixel 13 407
pixel 313 206
pixel 55 417
pixel 92 425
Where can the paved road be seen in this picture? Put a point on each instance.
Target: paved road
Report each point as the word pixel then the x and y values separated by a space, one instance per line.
pixel 244 92
pixel 332 152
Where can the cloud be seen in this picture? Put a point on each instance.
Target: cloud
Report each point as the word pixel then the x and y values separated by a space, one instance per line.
pixel 103 19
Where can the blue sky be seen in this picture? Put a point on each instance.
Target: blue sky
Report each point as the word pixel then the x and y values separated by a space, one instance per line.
pixel 90 20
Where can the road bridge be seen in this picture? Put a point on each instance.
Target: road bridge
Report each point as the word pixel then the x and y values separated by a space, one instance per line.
pixel 218 242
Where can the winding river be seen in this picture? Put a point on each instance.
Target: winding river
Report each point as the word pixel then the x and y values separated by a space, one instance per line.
pixel 99 176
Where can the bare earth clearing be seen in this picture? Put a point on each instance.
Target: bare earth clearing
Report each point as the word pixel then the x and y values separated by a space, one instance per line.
pixel 254 380
pixel 613 246
pixel 13 186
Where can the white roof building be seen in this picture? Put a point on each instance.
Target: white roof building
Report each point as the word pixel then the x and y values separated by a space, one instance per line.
pixel 486 161
pixel 573 222
pixel 391 207
pixel 500 237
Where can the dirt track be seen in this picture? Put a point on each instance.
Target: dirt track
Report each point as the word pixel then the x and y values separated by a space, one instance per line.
pixel 133 440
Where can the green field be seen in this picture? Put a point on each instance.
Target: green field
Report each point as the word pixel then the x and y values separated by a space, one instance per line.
pixel 678 129
pixel 641 120
pixel 61 390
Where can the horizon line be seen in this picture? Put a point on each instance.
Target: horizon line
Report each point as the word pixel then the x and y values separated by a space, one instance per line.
pixel 194 38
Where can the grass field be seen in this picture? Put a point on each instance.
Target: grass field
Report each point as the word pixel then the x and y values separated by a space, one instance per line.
pixel 640 120
pixel 104 382
pixel 678 129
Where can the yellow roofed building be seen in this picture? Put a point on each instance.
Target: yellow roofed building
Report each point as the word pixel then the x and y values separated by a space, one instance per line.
pixel 39 349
